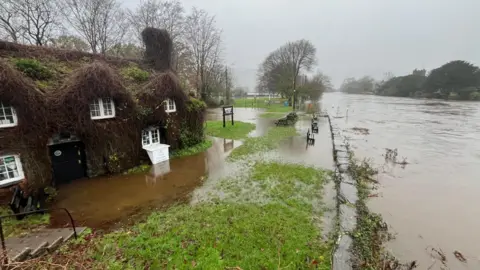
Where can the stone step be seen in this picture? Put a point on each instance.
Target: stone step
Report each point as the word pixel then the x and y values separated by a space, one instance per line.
pixel 38 243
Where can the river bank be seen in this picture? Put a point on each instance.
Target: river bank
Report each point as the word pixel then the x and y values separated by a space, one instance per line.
pixel 437 183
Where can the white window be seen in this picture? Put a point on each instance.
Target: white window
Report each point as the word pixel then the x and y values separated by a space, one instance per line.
pixel 102 108
pixel 169 106
pixel 150 136
pixel 8 117
pixel 10 169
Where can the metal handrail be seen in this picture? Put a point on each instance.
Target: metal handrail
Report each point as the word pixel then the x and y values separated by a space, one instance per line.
pixel 4 249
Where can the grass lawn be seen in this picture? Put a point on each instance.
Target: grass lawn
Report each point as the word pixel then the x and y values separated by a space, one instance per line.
pixel 260 103
pixel 13 227
pixel 238 131
pixel 268 218
pixel 261 144
pixel 279 233
pixel 193 150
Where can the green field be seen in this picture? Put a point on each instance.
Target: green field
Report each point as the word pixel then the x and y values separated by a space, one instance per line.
pixel 238 131
pixel 261 103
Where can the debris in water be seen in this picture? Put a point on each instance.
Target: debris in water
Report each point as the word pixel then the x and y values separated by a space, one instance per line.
pixel 436 104
pixel 363 131
pixel 459 256
pixel 438 254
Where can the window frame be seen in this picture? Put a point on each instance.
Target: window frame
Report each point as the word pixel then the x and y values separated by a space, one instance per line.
pixel 18 163
pixel 102 107
pixel 151 131
pixel 169 105
pixel 14 116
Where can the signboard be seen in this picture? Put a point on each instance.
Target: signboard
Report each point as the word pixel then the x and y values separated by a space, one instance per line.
pixel 227 110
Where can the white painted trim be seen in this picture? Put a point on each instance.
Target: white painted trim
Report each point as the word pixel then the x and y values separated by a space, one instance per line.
pixel 102 110
pixel 21 174
pixel 150 136
pixel 167 105
pixel 14 116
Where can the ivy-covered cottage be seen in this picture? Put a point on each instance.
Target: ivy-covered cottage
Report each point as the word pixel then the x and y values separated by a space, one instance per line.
pixel 66 115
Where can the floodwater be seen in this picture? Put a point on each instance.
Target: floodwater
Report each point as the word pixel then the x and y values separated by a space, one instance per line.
pixel 104 202
pixel 433 201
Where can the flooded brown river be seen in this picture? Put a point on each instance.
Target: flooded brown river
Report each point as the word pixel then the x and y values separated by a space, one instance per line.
pixel 433 202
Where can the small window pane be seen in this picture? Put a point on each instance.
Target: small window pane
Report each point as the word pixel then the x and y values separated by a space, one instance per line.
pixel 107 106
pixel 155 136
pixel 145 138
pixel 95 109
pixel 7 115
pixel 8 168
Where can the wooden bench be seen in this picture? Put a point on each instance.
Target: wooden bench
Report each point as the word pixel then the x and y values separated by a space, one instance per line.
pixel 310 138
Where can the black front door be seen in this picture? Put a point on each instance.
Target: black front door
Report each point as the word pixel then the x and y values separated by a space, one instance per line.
pixel 68 161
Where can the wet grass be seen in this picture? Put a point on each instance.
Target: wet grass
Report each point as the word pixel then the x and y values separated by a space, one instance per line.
pixel 268 217
pixel 238 131
pixel 280 233
pixel 193 150
pixel 218 236
pixel 261 103
pixel 261 144
pixel 13 227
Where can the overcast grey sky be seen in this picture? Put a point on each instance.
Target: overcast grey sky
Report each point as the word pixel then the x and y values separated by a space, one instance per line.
pixel 353 38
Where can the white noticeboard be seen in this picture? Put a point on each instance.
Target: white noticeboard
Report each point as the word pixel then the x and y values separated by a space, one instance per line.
pixel 157 152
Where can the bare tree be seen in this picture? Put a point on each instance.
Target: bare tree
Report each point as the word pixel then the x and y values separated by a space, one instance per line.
pixel 280 71
pixel 168 15
pixel 10 20
pixel 33 20
pixel 202 41
pixel 102 23
pixel 300 55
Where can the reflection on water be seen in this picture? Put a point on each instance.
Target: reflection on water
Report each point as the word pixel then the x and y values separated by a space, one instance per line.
pixel 102 201
pixel 439 185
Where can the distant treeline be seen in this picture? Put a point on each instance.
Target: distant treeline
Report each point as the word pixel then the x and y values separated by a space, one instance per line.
pixel 455 80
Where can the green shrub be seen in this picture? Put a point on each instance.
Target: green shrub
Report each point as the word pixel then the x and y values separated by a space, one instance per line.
pixel 475 96
pixel 196 105
pixel 33 69
pixel 136 74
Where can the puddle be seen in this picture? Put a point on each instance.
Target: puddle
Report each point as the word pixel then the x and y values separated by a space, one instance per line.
pixel 102 202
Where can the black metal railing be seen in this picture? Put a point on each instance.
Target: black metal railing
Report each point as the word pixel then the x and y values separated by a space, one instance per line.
pixel 4 248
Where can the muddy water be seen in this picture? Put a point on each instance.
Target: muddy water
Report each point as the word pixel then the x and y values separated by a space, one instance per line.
pixel 433 201
pixel 103 202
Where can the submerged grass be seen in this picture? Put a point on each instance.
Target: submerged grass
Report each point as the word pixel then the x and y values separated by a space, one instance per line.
pixel 260 144
pixel 371 232
pixel 238 131
pixel 13 227
pixel 272 115
pixel 279 233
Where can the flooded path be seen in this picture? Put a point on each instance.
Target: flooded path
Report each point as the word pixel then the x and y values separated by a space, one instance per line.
pixel 101 202
pixel 432 202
